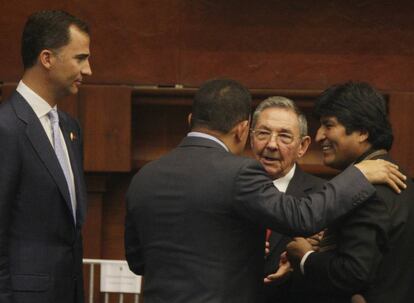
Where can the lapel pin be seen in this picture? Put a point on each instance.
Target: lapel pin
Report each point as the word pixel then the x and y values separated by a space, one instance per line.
pixel 72 136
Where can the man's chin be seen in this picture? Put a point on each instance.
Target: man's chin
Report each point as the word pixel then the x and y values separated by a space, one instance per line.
pixel 69 90
pixel 333 164
pixel 74 90
pixel 272 170
pixel 329 161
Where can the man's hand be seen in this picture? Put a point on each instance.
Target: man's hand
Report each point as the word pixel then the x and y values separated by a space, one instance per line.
pixel 382 172
pixel 282 272
pixel 296 250
pixel 315 240
pixel 267 248
pixel 358 299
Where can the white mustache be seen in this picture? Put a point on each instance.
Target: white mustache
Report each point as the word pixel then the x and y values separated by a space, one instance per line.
pixel 273 157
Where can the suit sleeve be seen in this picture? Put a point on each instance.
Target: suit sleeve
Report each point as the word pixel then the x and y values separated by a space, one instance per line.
pixel 352 266
pixel 9 180
pixel 133 250
pixel 258 200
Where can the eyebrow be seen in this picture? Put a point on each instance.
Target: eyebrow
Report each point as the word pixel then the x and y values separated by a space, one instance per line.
pixel 282 130
pixel 81 56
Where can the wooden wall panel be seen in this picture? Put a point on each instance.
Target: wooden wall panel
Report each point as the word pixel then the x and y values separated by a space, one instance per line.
pixel 401 109
pixel 114 216
pixel 70 104
pixel 7 89
pixel 276 44
pixel 13 17
pixel 106 118
pixel 93 229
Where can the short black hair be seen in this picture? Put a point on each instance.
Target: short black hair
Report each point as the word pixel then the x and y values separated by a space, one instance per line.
pixel 358 106
pixel 220 104
pixel 48 29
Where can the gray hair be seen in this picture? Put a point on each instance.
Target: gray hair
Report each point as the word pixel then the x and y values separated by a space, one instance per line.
pixel 281 102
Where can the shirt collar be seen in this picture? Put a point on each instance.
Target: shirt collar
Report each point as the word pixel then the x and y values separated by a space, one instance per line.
pixel 207 136
pixel 283 182
pixel 37 103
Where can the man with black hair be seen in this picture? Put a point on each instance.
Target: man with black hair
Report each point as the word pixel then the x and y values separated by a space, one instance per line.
pixel 42 191
pixel 196 217
pixel 369 251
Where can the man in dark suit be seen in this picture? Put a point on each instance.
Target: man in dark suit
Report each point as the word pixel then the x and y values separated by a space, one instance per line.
pixel 196 218
pixel 42 192
pixel 369 251
pixel 278 154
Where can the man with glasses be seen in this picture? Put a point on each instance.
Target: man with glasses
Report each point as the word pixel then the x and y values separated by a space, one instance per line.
pixel 279 137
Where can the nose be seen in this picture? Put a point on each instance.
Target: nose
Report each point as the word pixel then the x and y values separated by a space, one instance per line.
pixel 272 143
pixel 86 69
pixel 320 135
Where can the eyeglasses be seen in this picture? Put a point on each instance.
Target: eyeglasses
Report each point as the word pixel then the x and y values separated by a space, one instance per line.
pixel 266 135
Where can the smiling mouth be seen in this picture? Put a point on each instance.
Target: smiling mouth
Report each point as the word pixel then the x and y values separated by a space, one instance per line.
pixel 327 148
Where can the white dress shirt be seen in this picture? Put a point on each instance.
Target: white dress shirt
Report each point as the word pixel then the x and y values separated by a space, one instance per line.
pixel 282 183
pixel 41 109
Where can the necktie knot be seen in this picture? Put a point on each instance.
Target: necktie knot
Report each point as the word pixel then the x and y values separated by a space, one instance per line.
pixel 53 116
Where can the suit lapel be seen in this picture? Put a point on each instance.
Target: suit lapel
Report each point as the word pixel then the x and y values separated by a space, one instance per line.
pixel 298 186
pixel 274 240
pixel 75 163
pixel 41 144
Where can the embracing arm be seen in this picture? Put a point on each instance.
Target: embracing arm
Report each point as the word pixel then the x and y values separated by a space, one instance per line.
pixel 257 199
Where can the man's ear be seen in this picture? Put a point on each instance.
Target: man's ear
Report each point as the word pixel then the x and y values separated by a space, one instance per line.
pixel 363 136
pixel 304 144
pixel 242 130
pixel 46 58
pixel 190 115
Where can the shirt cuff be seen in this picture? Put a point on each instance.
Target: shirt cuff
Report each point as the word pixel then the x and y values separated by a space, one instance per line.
pixel 302 262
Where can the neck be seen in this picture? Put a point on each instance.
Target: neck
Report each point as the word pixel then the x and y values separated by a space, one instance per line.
pixel 284 173
pixel 370 154
pixel 358 156
pixel 225 138
pixel 37 81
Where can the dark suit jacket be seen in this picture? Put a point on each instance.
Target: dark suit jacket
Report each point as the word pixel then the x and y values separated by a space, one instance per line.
pixel 373 255
pixel 300 185
pixel 40 246
pixel 196 222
